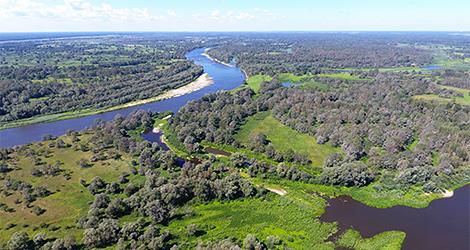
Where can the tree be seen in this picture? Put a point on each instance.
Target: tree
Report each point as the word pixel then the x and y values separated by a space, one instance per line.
pixel 105 234
pixel 19 241
pixel 348 174
pixel 158 211
pixel 251 243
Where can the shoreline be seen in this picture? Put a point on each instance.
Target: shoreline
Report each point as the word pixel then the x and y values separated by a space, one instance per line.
pixel 201 82
pixel 216 60
pixel 448 194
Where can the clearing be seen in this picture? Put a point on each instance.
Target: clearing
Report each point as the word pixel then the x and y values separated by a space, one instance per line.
pixel 284 138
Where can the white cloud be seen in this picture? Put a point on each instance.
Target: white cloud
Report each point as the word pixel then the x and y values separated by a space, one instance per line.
pixel 232 16
pixel 72 10
pixel 103 15
pixel 171 13
pixel 244 16
pixel 215 14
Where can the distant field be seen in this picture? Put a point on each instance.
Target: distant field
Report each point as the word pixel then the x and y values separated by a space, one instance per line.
pixel 307 81
pixel 343 76
pixel 465 100
pixel 284 138
pixel 255 81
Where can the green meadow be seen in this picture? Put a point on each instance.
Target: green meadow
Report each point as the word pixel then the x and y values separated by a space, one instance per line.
pixel 284 138
pixel 255 81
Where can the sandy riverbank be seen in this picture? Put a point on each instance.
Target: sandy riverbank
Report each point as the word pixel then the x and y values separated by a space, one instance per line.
pixel 448 193
pixel 214 59
pixel 201 82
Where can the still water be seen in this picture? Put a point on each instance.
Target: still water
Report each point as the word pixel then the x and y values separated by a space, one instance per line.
pixel 444 224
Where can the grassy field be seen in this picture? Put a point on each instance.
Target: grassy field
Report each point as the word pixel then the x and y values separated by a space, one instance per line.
pixel 284 138
pixel 368 195
pixel 69 200
pixel 255 81
pixel 303 81
pixel 343 76
pixel 385 241
pixel 465 100
pixel 307 81
pixel 294 222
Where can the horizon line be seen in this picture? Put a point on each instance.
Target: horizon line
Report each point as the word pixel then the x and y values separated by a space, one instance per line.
pixel 231 31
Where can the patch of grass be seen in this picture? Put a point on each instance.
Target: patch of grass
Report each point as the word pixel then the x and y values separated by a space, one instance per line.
pixel 284 138
pixel 293 222
pixel 413 144
pixel 53 80
pixel 255 81
pixel 442 58
pixel 389 240
pixel 465 100
pixel 392 69
pixel 289 77
pixel 343 76
pixel 305 81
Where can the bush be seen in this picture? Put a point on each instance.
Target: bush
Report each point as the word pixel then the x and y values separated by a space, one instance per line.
pixel 348 174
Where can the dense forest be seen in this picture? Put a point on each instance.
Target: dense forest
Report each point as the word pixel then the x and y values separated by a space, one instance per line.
pixel 314 53
pixel 41 77
pixel 382 120
pixel 374 123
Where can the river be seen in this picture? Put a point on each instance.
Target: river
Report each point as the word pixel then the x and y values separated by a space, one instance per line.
pixel 442 225
pixel 224 77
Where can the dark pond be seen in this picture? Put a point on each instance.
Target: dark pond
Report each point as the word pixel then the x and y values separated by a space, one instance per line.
pixel 155 137
pixel 444 224
pixel 225 78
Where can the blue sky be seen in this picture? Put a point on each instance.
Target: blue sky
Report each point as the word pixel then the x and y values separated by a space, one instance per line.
pixel 233 15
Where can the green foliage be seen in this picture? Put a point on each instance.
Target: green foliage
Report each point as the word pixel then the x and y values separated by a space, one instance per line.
pixel 391 240
pixel 273 216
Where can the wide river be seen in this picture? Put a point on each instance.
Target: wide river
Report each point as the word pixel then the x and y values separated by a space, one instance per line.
pixel 445 224
pixel 225 78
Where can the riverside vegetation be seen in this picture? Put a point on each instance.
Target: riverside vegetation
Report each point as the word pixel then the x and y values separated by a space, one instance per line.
pixel 359 117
